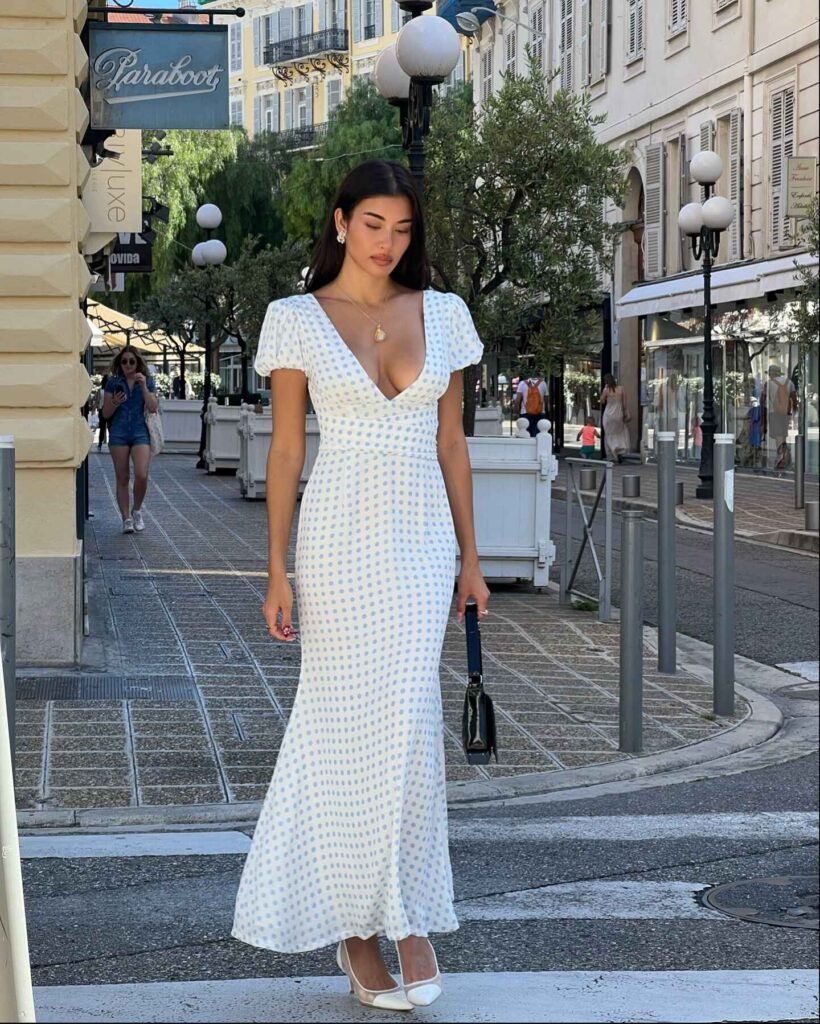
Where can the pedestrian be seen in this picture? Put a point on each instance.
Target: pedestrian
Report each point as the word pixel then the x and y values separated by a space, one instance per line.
pixel 780 402
pixel 531 401
pixel 615 418
pixel 177 387
pixel 98 405
pixel 351 843
pixel 587 435
pixel 129 391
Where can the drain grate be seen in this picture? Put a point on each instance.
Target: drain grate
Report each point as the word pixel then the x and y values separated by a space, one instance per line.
pixel 106 688
pixel 790 901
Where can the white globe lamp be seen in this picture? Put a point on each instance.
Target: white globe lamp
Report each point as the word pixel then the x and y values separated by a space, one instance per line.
pixel 214 251
pixel 209 216
pixel 706 167
pixel 718 213
pixel 391 81
pixel 428 48
pixel 690 218
pixel 198 255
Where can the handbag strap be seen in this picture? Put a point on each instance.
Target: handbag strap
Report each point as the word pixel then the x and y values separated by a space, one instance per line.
pixel 474 665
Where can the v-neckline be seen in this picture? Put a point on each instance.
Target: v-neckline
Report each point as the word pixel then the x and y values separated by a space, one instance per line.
pixel 357 361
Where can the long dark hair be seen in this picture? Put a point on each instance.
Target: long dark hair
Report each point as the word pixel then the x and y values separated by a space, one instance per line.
pixel 610 382
pixel 116 368
pixel 372 178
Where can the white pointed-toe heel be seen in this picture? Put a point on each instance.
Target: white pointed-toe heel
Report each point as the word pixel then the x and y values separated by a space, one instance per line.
pixel 426 991
pixel 380 999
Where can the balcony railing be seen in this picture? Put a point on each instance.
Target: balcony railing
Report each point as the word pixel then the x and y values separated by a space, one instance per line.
pixel 370 31
pixel 305 137
pixel 330 40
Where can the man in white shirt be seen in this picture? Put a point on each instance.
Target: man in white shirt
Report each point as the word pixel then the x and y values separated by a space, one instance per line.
pixel 532 406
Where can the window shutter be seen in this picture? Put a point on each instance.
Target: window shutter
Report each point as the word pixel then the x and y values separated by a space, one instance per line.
pixel 707 141
pixel 603 39
pixel 340 15
pixel 289 110
pixel 257 41
pixel 308 17
pixel 379 18
pixel 566 44
pixel 782 147
pixel 537 38
pixel 653 235
pixel 285 24
pixel 274 115
pixel 309 103
pixel 257 114
pixel 735 232
pixel 323 14
pixel 357 20
pixel 394 16
pixel 510 46
pixel 683 195
pixel 678 15
pixel 586 61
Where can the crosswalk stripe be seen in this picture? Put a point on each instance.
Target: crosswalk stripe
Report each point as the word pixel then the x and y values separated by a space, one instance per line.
pixel 134 844
pixel 550 996
pixel 764 825
pixel 594 900
pixel 797 825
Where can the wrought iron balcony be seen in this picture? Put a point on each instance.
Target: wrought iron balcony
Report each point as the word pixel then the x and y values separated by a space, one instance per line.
pixel 315 44
pixel 370 32
pixel 305 137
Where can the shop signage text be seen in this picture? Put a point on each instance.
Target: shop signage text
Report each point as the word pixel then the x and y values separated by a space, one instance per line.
pixel 801 185
pixel 158 76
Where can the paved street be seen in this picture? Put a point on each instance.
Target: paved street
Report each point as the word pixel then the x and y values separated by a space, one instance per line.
pixel 184 697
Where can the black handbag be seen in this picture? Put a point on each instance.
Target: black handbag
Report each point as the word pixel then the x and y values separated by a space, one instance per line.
pixel 478 720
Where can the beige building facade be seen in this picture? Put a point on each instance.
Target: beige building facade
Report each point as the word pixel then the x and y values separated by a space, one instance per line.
pixel 43 332
pixel 673 77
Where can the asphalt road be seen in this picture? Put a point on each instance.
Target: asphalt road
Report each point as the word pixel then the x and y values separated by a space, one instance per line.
pixel 777 603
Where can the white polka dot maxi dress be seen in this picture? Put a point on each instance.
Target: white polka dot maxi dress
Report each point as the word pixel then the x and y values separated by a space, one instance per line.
pixel 352 836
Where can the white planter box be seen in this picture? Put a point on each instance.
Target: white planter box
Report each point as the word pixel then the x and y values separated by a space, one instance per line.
pixel 255 436
pixel 512 483
pixel 488 421
pixel 181 424
pixel 222 436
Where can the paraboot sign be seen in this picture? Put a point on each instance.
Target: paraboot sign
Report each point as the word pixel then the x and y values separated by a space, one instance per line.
pixel 158 76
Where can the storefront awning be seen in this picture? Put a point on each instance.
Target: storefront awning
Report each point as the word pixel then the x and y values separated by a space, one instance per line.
pixel 747 281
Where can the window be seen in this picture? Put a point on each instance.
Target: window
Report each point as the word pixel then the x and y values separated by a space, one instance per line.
pixel 678 15
pixel 368 19
pixel 237 112
pixel 334 95
pixel 510 48
pixel 781 136
pixel 566 44
pixel 395 16
pixel 585 48
pixel 235 45
pixel 487 73
pixel 599 39
pixel 634 29
pixel 720 4
pixel 537 37
pixel 270 112
pixel 331 14
pixel 455 78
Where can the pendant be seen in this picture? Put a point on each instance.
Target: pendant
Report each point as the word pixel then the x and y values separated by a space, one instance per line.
pixel 379 334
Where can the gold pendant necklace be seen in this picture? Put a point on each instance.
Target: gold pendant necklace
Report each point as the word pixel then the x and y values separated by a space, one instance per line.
pixel 380 334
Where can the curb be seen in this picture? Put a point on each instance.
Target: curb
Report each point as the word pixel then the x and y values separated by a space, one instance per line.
pixel 762 722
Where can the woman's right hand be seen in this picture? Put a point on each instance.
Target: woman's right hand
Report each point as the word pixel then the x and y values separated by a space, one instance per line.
pixel 277 609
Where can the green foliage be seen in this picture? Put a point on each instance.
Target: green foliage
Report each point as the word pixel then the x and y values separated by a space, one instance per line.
pixel 162 384
pixel 515 201
pixel 197 382
pixel 363 127
pixel 805 327
pixel 258 276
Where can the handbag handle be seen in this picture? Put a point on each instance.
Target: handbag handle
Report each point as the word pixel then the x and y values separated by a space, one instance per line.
pixel 474 666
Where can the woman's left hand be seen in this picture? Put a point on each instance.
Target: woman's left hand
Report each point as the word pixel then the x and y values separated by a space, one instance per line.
pixel 471 584
pixel 139 378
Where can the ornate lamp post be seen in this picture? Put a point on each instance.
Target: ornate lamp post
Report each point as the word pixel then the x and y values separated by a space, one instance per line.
pixel 424 54
pixel 703 223
pixel 210 253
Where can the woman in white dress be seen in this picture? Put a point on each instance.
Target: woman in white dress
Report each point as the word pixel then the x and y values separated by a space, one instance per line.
pixel 351 843
pixel 615 418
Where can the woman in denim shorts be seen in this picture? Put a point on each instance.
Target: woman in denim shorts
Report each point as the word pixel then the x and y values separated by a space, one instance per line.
pixel 129 391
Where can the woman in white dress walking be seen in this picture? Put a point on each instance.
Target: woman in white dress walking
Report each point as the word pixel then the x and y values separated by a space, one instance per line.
pixel 351 843
pixel 615 419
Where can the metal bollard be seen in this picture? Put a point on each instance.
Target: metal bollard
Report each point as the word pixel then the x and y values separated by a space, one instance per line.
pixel 8 598
pixel 799 472
pixel 589 479
pixel 679 492
pixel 632 486
pixel 813 516
pixel 667 557
pixel 630 708
pixel 724 575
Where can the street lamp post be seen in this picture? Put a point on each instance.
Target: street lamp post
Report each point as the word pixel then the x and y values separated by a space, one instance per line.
pixel 426 51
pixel 703 223
pixel 207 254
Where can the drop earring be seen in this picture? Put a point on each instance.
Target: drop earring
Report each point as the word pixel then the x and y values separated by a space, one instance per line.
pixel 340 237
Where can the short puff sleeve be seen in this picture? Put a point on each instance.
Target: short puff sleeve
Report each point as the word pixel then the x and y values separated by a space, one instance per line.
pixel 280 345
pixel 466 348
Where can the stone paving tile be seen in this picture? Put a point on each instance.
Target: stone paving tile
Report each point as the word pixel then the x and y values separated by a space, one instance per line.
pixel 181 795
pixel 85 797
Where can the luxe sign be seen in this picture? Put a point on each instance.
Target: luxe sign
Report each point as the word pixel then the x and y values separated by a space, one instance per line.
pixel 158 76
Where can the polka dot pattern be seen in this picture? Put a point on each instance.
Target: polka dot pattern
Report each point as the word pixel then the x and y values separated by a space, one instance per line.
pixel 352 836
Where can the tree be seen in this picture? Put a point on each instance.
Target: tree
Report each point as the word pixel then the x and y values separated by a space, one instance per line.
pixel 363 127
pixel 516 197
pixel 806 311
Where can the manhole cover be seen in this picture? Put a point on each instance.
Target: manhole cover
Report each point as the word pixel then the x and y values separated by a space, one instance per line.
pixel 790 901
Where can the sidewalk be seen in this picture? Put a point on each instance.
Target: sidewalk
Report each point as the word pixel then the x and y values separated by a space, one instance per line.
pixel 183 697
pixel 764 505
